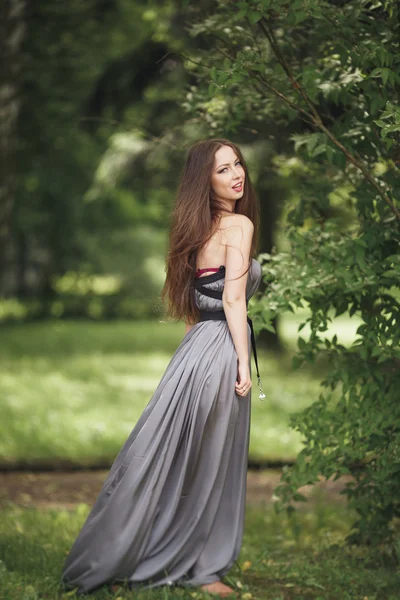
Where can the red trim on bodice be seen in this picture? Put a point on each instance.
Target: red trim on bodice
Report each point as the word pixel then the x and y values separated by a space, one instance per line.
pixel 200 271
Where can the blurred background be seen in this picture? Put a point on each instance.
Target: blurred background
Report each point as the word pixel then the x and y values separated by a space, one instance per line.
pixel 99 102
pixel 102 100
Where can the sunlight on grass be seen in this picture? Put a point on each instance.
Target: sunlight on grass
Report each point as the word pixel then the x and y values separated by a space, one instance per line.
pixel 343 326
pixel 74 390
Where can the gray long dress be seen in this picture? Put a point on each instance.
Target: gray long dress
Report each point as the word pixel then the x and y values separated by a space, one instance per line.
pixel 171 510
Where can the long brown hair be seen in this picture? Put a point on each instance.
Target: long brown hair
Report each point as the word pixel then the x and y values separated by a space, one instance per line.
pixel 194 220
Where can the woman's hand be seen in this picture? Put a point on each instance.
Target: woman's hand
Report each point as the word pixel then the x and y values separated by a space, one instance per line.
pixel 243 380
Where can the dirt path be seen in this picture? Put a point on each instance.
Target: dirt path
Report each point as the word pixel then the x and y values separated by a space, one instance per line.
pixel 67 489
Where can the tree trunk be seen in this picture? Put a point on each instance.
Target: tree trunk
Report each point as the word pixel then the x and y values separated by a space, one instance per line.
pixel 12 27
pixel 271 206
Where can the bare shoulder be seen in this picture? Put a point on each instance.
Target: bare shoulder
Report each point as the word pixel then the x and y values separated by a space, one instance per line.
pixel 237 226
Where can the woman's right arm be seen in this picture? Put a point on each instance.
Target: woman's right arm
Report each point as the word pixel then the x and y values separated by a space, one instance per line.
pixel 238 237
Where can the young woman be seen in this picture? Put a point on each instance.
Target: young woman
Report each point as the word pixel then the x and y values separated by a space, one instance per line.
pixel 171 510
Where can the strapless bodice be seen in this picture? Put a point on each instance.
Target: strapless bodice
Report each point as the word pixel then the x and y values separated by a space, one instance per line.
pixel 215 281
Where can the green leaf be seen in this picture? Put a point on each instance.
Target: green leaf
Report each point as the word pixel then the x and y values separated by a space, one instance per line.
pixel 254 16
pixel 299 497
pixel 296 362
pixel 301 343
pixel 213 73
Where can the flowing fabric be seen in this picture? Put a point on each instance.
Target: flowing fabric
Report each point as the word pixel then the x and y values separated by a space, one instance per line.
pixel 171 509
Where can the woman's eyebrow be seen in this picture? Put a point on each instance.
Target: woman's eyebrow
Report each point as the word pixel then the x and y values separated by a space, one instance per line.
pixel 227 164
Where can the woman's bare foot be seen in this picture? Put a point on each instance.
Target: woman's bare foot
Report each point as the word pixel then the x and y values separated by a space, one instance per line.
pixel 218 588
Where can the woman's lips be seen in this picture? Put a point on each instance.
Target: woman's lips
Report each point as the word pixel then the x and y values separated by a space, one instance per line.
pixel 238 188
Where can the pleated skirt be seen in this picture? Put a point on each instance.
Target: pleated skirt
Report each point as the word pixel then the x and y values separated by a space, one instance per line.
pixel 171 509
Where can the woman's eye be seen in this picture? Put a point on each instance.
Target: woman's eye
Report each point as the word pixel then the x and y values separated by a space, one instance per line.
pixel 237 162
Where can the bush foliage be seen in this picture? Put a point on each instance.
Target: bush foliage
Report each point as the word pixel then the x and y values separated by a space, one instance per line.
pixel 329 74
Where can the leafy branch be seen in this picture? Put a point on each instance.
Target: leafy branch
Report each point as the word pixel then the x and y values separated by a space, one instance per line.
pixel 314 116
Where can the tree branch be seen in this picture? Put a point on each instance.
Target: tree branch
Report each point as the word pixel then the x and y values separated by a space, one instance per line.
pixel 315 116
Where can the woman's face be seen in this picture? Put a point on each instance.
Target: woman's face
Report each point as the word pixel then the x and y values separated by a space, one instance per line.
pixel 227 176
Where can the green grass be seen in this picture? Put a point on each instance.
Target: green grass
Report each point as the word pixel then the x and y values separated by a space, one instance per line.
pixel 302 557
pixel 74 390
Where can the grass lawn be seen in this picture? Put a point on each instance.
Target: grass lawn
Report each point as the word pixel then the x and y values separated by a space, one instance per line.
pixel 74 390
pixel 299 558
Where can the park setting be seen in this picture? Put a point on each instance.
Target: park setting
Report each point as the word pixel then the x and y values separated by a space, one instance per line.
pixel 100 101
